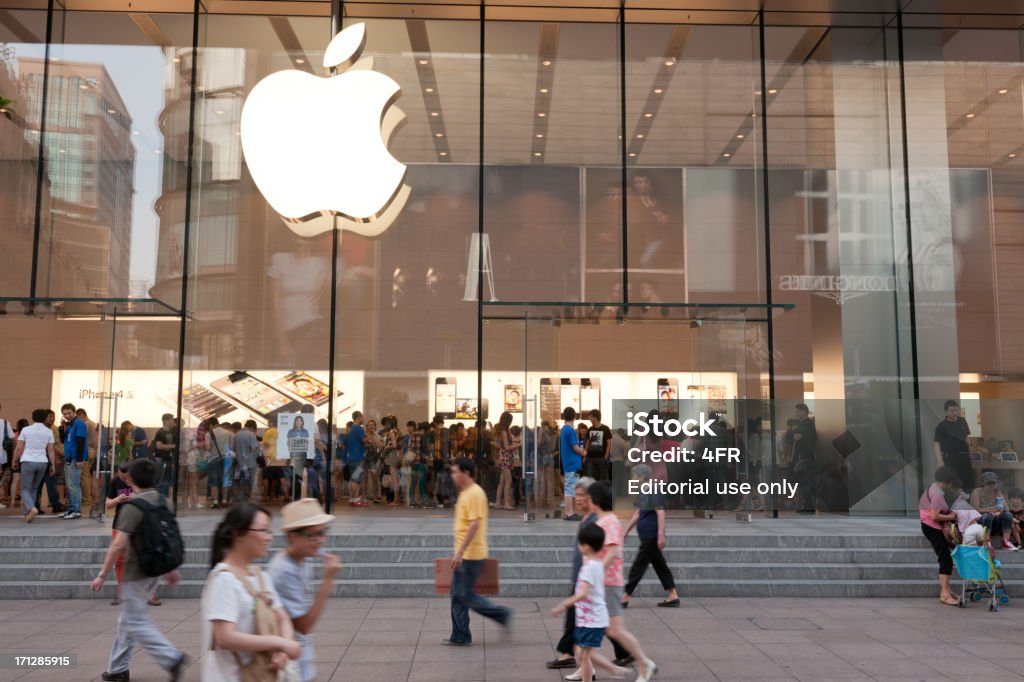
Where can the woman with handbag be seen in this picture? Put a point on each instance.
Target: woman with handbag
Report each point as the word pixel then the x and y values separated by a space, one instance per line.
pixel 935 513
pixel 247 634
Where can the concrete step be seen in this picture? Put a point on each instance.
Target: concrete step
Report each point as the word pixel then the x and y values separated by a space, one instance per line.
pixel 539 589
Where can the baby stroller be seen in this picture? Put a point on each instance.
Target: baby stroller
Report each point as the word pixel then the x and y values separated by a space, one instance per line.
pixel 980 575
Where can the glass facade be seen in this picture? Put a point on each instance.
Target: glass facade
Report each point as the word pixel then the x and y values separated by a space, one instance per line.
pixel 728 209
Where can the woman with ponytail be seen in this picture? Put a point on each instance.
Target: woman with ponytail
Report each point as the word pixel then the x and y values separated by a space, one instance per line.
pixel 245 630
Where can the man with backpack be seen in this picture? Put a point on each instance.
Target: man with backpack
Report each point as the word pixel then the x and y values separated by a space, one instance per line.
pixel 148 535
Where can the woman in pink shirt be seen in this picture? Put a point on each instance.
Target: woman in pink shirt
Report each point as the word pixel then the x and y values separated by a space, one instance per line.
pixel 602 497
pixel 934 511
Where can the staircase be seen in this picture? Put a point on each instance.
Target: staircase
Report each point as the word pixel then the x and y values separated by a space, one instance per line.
pixel 537 565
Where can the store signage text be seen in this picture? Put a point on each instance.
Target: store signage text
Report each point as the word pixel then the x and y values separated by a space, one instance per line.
pixel 838 288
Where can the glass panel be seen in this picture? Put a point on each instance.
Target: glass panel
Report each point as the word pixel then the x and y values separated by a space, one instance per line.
pixel 553 191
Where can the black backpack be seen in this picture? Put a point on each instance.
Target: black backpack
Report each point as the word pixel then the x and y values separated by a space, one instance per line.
pixel 157 541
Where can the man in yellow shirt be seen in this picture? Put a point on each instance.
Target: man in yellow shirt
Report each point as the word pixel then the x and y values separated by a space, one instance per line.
pixel 470 552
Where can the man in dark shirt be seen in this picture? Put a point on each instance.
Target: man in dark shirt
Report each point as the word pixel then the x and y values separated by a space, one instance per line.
pixel 950 445
pixel 165 444
pixel 649 520
pixel 805 466
pixel 599 440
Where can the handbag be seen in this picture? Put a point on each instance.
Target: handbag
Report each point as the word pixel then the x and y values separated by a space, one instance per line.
pixel 264 623
pixel 8 441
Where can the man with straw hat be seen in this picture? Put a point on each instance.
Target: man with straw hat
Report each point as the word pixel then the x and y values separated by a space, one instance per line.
pixel 306 525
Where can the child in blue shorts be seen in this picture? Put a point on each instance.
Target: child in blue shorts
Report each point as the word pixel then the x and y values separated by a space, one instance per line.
pixel 591 610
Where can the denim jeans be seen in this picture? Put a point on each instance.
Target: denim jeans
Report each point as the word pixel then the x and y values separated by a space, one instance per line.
pixel 31 479
pixel 73 478
pixel 463 599
pixel 997 524
pixel 136 629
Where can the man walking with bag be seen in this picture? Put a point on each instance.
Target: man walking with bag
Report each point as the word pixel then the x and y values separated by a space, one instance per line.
pixel 470 552
pixel 152 546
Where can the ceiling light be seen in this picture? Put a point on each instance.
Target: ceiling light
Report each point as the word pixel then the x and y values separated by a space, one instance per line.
pixel 424 62
pixel 632 154
pixel 640 136
pixel 111 111
pixel 546 62
pixel 176 60
pixel 541 114
pixel 444 153
pixel 300 60
pixel 970 115
pixel 739 136
pixel 1003 91
pixel 727 155
pixel 220 112
pixel 434 113
pixel 648 115
pixel 438 134
pixel 1012 155
pixel 669 62
pixel 772 91
pixel 540 135
pixel 428 89
pixel 543 91
pixel 537 154
pixel 83 86
pixel 658 91
pixel 757 92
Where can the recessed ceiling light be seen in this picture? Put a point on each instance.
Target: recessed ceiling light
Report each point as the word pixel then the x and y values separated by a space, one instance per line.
pixel 1003 91
pixel 444 153
pixel 541 114
pixel 111 111
pixel 428 89
pixel 772 91
pixel 1012 155
pixel 727 155
pixel 970 115
pixel 640 136
pixel 648 115
pixel 537 154
pixel 669 62
pixel 540 135
pixel 543 91
pixel 757 92
pixel 424 62
pixel 739 136
pixel 438 134
pixel 546 62
pixel 632 154
pixel 176 60
pixel 434 113
pixel 658 91
pixel 300 60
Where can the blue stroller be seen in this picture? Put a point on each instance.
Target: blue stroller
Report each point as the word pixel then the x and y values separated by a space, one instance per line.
pixel 980 575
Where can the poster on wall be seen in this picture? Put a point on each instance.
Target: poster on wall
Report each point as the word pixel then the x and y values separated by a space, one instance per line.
pixel 513 398
pixel 550 401
pixel 294 439
pixel 467 408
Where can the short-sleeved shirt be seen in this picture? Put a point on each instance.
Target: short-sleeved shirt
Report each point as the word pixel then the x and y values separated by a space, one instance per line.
pixel 647 524
pixel 129 518
pixel 591 612
pixel 571 460
pixel 609 523
pixel 293 581
pixel 75 430
pixel 270 443
pixel 932 500
pixel 472 506
pixel 165 437
pixel 245 447
pixel 952 436
pixel 139 436
pixel 117 488
pixel 226 598
pixel 354 443
pixel 598 441
pixel 36 439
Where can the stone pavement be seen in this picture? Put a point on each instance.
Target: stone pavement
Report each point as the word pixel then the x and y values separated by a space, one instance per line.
pixel 391 640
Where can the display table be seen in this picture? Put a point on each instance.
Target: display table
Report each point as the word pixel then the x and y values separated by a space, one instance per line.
pixel 1010 473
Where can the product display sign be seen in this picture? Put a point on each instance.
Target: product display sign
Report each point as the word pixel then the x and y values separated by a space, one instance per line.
pixel 295 436
pixel 513 398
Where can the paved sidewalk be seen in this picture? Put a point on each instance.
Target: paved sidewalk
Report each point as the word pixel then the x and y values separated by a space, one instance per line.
pixel 385 640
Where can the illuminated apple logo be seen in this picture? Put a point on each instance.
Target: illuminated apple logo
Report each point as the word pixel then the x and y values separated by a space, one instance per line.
pixel 317 147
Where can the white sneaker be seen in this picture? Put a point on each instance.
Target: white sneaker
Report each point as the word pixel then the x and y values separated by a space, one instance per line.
pixel 578 676
pixel 1010 546
pixel 650 668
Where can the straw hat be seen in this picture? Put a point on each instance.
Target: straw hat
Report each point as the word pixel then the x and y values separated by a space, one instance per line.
pixel 303 513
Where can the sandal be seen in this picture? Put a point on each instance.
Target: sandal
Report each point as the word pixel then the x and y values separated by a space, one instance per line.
pixel 952 601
